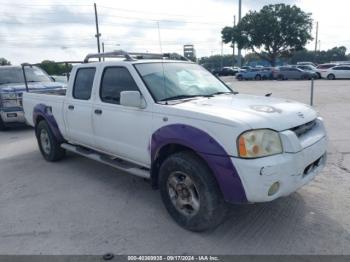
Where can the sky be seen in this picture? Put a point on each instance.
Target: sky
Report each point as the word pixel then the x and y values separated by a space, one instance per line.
pixel 35 30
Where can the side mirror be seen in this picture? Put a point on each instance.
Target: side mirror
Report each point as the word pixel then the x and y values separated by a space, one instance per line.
pixel 132 99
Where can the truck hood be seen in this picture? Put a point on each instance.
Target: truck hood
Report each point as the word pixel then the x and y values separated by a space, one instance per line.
pixel 254 111
pixel 37 86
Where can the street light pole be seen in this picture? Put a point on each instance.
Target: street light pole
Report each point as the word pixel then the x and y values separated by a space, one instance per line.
pixel 233 44
pixel 239 19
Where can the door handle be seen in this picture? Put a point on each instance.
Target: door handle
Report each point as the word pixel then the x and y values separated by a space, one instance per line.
pixel 98 111
pixel 71 107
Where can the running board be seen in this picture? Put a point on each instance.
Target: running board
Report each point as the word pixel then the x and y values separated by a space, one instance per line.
pixel 105 159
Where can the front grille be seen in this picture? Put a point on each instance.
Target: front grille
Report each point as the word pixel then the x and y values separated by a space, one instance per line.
pixel 303 129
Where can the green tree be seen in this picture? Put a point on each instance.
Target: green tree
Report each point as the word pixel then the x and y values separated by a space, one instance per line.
pixel 216 61
pixel 277 30
pixel 53 68
pixel 4 61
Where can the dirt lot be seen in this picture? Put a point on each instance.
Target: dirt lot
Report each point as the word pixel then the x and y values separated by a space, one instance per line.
pixel 78 206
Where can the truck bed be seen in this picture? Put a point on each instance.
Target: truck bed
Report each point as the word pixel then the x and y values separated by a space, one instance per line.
pixel 49 98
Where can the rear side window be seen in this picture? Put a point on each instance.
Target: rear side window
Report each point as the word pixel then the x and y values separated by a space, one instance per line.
pixel 83 83
pixel 114 81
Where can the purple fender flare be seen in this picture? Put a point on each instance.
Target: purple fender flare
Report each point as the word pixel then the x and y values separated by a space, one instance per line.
pixel 44 111
pixel 208 149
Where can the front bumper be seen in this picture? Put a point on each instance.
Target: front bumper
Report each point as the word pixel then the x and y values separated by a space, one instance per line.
pixel 12 115
pixel 290 170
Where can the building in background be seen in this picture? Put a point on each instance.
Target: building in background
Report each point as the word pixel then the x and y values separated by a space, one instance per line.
pixel 190 52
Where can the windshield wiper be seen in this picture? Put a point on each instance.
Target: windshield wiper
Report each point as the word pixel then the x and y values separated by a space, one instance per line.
pixel 179 97
pixel 220 93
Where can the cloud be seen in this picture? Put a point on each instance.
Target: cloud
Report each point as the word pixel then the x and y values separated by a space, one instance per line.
pixel 51 29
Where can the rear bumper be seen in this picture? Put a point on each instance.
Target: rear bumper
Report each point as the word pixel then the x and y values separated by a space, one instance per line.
pixel 12 115
pixel 290 170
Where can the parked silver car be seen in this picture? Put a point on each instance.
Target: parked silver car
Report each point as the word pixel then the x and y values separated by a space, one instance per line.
pixel 290 72
pixel 310 68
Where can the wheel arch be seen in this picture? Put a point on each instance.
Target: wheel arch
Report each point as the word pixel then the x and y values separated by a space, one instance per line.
pixel 177 137
pixel 43 112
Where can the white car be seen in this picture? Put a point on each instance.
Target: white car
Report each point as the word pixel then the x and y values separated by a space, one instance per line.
pixel 336 72
pixel 202 144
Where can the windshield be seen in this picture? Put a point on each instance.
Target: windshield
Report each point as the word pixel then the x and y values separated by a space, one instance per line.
pixel 15 75
pixel 180 80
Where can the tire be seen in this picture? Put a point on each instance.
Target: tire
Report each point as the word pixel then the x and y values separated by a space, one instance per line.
pixel 280 77
pixel 239 78
pixel 48 144
pixel 331 77
pixel 318 75
pixel 190 192
pixel 306 77
pixel 2 125
pixel 257 77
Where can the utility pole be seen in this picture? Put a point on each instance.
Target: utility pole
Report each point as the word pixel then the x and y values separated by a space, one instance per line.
pixel 319 45
pixel 316 39
pixel 239 19
pixel 98 35
pixel 233 44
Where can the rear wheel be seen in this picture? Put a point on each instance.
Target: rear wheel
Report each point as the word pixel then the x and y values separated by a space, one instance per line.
pixel 2 125
pixel 48 144
pixel 306 77
pixel 331 77
pixel 190 192
pixel 280 77
pixel 258 77
pixel 240 78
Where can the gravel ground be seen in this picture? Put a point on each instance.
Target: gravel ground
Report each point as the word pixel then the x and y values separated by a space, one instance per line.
pixel 78 206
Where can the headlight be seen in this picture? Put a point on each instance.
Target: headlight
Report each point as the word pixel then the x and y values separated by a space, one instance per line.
pixel 259 143
pixel 8 96
pixel 9 103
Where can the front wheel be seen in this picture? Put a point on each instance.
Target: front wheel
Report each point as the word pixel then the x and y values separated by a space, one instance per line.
pixel 258 77
pixel 190 192
pixel 239 78
pixel 48 144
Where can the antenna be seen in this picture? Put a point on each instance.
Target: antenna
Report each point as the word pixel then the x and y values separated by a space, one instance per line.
pixel 161 51
pixel 160 41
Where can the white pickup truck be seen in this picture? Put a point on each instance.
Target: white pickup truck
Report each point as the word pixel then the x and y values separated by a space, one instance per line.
pixel 202 144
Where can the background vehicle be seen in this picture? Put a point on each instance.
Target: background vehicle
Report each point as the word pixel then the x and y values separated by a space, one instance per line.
pixel 325 66
pixel 228 71
pixel 307 63
pixel 289 72
pixel 246 68
pixel 310 68
pixel 173 122
pixel 11 90
pixel 336 72
pixel 61 79
pixel 255 73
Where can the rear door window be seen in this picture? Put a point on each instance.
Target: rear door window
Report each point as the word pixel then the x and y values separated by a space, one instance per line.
pixel 83 83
